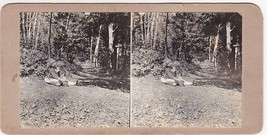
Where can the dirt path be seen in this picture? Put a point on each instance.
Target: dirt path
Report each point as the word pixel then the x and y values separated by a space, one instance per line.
pixel 159 105
pixel 46 105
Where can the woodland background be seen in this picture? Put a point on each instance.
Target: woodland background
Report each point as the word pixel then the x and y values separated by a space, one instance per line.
pixel 208 47
pixel 89 44
pixel 189 38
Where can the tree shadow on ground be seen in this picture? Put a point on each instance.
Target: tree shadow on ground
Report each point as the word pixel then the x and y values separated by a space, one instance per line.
pixel 94 76
pixel 228 83
pixel 113 84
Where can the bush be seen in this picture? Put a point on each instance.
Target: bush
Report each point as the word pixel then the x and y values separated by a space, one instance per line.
pixel 146 61
pixel 32 62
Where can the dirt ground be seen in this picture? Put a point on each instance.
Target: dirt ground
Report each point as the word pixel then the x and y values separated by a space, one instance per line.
pixel 45 105
pixel 210 105
pixel 154 104
pixel 157 105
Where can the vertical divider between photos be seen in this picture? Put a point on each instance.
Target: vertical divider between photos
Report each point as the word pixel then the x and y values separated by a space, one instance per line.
pixel 131 43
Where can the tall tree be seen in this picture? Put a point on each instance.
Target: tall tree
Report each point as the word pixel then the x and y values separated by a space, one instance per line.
pixel 37 31
pixel 97 44
pixel 49 37
pixel 142 26
pixel 216 45
pixel 156 17
pixel 166 35
pixel 91 47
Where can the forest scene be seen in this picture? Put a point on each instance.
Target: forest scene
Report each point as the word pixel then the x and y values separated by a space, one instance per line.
pixel 187 69
pixel 74 69
pixel 118 69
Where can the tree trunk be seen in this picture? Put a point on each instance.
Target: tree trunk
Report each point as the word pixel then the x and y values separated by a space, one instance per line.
pixel 26 28
pixel 111 35
pixel 142 27
pixel 34 25
pixel 148 30
pixel 34 30
pixel 228 36
pixel 37 33
pixel 215 51
pixel 49 37
pixel 67 23
pixel 210 42
pixel 31 27
pixel 91 49
pixel 236 55
pixel 23 27
pixel 97 45
pixel 152 29
pixel 166 35
pixel 111 47
pixel 228 41
pixel 145 27
pixel 156 30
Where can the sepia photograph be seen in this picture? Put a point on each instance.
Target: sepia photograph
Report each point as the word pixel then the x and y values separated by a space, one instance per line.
pixel 74 69
pixel 121 68
pixel 187 69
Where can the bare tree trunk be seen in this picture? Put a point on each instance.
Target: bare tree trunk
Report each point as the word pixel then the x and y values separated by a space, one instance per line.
pixel 97 45
pixel 156 30
pixel 37 32
pixel 166 36
pixel 210 41
pixel 34 30
pixel 30 26
pixel 148 30
pixel 91 49
pixel 117 58
pixel 228 36
pixel 152 29
pixel 228 41
pixel 111 47
pixel 67 23
pixel 236 55
pixel 49 37
pixel 26 28
pixel 215 51
pixel 142 27
pixel 111 34
pixel 145 27
pixel 23 27
pixel 34 24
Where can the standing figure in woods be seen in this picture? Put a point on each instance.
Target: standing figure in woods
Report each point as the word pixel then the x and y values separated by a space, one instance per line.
pixel 171 75
pixel 57 74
